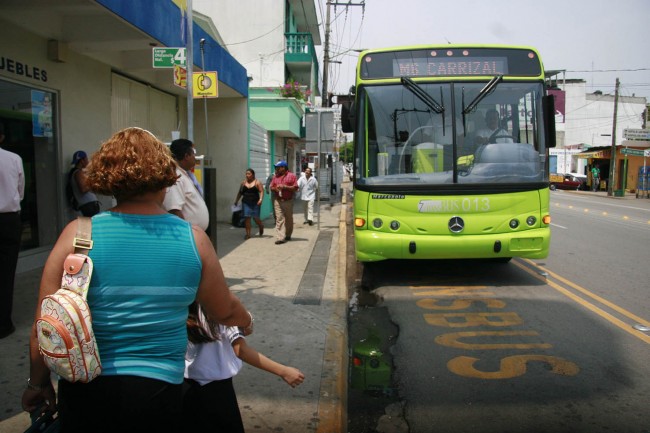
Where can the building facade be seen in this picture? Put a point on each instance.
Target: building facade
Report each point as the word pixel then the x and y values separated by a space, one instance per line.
pixel 584 126
pixel 72 73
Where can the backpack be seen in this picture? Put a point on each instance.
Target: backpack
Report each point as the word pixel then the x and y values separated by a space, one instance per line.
pixel 65 334
pixel 69 193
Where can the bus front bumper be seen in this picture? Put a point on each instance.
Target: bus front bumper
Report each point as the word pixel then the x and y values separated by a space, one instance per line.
pixel 373 246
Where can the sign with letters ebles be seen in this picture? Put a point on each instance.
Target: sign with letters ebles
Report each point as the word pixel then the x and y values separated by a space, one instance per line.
pixel 21 69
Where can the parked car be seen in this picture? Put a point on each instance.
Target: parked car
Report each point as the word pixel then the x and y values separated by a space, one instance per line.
pixel 568 181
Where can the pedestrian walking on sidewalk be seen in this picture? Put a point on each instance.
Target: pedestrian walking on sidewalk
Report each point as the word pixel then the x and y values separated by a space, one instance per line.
pixel 283 187
pixel 595 177
pixel 251 193
pixel 308 186
pixel 148 267
pixel 12 192
pixel 214 356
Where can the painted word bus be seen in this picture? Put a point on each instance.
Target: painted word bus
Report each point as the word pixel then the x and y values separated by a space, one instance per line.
pixel 450 153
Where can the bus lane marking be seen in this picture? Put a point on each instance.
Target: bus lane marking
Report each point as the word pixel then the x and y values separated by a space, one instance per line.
pixel 466 296
pixel 511 366
pixel 593 308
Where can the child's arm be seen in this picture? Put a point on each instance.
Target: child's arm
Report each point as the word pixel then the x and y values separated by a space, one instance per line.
pixel 291 375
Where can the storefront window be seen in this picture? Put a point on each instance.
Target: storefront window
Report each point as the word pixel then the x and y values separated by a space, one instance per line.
pixel 29 117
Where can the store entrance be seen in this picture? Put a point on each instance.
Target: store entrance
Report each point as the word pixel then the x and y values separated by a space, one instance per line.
pixel 29 119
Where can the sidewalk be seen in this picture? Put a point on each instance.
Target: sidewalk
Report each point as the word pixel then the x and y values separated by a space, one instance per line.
pixel 297 293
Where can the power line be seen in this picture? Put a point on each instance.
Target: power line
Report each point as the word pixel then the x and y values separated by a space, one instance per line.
pixel 611 70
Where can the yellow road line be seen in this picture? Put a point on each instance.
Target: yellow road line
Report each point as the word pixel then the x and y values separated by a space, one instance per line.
pixel 624 326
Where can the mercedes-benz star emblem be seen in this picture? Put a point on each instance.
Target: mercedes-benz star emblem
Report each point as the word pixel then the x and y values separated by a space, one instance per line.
pixel 456 224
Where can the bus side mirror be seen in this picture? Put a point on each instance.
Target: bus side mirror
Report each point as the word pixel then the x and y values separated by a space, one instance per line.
pixel 548 106
pixel 347 116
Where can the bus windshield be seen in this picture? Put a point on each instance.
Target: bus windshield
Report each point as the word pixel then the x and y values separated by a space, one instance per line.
pixel 444 134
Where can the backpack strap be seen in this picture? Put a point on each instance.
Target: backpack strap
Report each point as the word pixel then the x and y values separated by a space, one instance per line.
pixel 83 242
pixel 78 267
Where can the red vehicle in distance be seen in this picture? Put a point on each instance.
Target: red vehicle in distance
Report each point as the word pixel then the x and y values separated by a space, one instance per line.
pixel 568 181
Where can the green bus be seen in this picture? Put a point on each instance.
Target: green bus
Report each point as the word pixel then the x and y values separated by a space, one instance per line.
pixel 450 153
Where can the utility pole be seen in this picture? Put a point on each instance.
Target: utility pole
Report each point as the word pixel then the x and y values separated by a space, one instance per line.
pixel 326 51
pixel 189 44
pixel 326 59
pixel 612 159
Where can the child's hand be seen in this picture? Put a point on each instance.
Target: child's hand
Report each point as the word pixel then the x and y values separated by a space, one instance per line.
pixel 292 376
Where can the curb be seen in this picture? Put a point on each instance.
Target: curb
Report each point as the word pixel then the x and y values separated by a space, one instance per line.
pixel 333 400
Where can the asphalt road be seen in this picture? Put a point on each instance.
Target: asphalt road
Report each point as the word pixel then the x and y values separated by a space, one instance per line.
pixel 529 346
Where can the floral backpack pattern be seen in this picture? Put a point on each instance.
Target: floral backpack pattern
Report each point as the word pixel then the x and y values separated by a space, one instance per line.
pixel 65 334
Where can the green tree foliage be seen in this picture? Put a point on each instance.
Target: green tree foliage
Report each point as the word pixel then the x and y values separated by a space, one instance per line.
pixel 346 152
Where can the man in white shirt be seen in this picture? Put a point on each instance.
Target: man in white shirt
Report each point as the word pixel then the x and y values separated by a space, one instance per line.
pixel 308 185
pixel 185 197
pixel 492 133
pixel 12 191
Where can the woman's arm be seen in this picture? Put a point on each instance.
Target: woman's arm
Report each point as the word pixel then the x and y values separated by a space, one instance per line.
pixel 214 296
pixel 239 193
pixel 260 188
pixel 291 375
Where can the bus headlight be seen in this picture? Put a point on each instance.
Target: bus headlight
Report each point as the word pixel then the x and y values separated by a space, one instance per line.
pixel 394 225
pixel 514 223
pixel 531 220
pixel 377 223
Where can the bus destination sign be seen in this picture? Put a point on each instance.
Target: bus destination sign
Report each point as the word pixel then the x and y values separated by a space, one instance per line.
pixel 428 67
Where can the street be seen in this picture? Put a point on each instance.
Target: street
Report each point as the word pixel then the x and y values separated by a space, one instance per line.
pixel 548 345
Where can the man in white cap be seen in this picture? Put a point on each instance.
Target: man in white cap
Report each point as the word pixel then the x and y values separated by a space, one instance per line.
pixel 283 187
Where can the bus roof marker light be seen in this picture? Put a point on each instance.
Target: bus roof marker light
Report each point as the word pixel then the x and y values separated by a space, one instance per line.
pixel 531 55
pixel 465 53
pixel 450 53
pixel 434 53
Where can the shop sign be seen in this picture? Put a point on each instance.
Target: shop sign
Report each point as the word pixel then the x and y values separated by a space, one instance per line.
pixel 634 152
pixel 636 134
pixel 204 84
pixel 167 57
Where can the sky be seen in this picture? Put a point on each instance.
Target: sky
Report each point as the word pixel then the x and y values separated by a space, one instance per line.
pixel 594 40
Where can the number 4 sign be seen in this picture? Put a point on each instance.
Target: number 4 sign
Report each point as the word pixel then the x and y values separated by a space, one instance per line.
pixel 167 57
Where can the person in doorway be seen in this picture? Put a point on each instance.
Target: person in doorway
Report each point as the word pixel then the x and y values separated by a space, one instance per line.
pixel 308 186
pixel 12 192
pixel 148 267
pixel 283 186
pixel 185 198
pixel 87 202
pixel 595 177
pixel 492 133
pixel 251 193
pixel 214 356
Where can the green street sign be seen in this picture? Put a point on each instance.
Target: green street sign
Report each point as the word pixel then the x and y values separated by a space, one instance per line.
pixel 635 152
pixel 167 57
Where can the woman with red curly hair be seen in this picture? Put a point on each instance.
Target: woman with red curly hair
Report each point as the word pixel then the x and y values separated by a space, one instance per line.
pixel 149 266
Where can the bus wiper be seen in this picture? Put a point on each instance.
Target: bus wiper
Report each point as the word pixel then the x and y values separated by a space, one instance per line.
pixel 423 96
pixel 489 88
